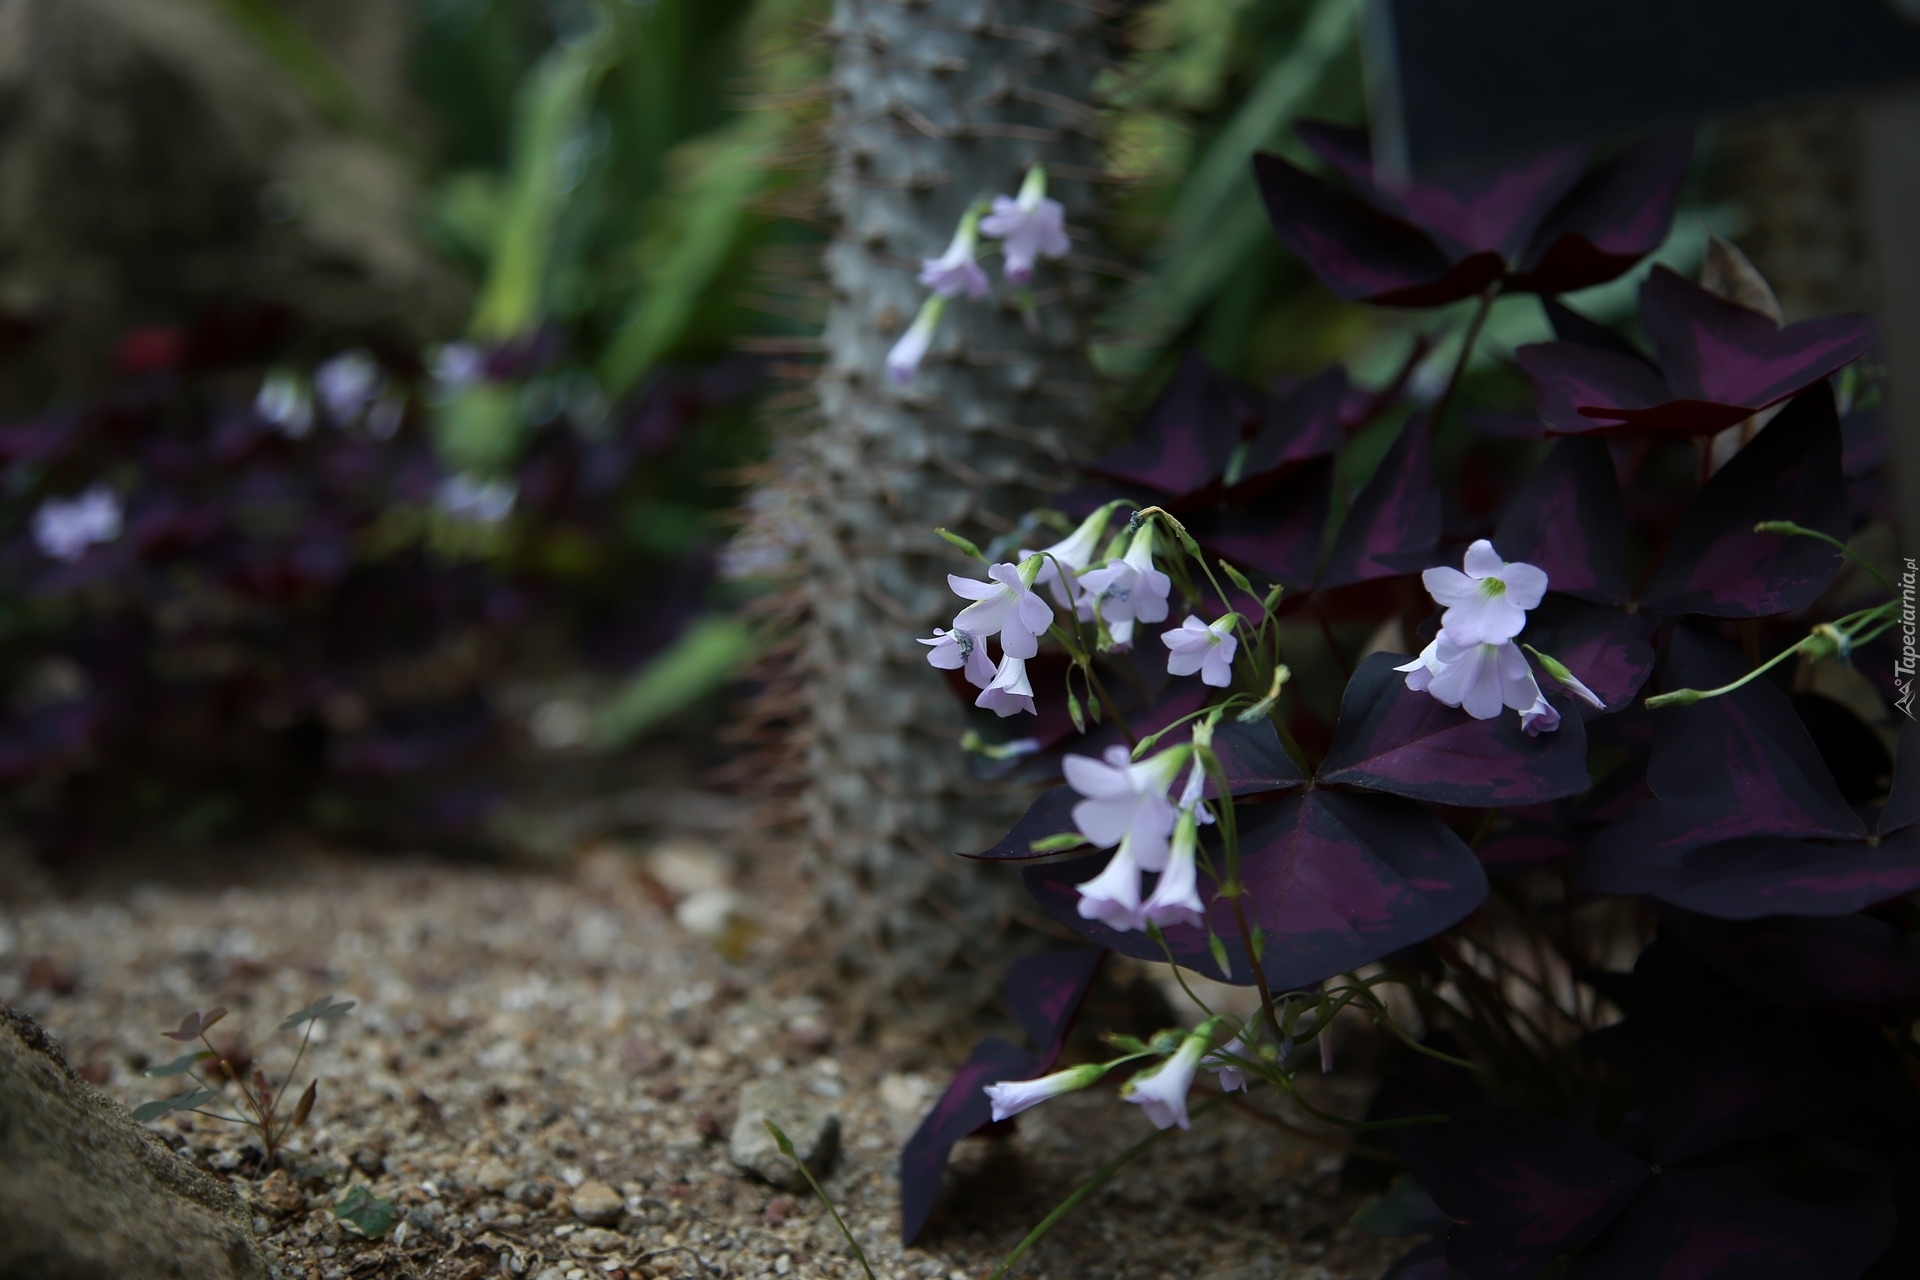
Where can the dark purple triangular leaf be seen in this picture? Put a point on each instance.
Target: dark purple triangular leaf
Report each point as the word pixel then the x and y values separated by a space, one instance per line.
pixel 1393 525
pixel 1393 739
pixel 1716 564
pixel 1761 875
pixel 1618 214
pixel 1250 754
pixel 1585 391
pixel 1903 801
pixel 1361 253
pixel 1045 991
pixel 1758 1221
pixel 1604 649
pixel 1737 766
pixel 1808 962
pixel 1186 437
pixel 962 1110
pixel 1303 425
pixel 1714 350
pixel 1332 881
pixel 1570 326
pixel 1276 533
pixel 1522 1188
pixel 1570 520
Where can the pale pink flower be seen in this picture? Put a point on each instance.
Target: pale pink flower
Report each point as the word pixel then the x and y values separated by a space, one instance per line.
pixel 1130 589
pixel 1479 678
pixel 1206 647
pixel 903 361
pixel 955 272
pixel 1004 606
pixel 1488 603
pixel 1232 1076
pixel 1030 226
pixel 1008 691
pixel 1113 896
pixel 958 650
pixel 1073 553
pixel 1011 1097
pixel 64 528
pixel 1126 803
pixel 1176 899
pixel 1539 718
pixel 1162 1092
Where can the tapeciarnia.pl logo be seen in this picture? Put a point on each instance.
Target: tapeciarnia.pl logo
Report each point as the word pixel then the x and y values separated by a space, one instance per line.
pixel 1904 666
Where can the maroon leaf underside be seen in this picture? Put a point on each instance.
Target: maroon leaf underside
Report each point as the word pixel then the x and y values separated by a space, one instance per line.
pixel 1570 520
pixel 1716 564
pixel 1304 425
pixel 1620 212
pixel 1393 526
pixel 1359 252
pixel 1718 351
pixel 1333 882
pixel 1045 990
pixel 962 1109
pixel 1390 738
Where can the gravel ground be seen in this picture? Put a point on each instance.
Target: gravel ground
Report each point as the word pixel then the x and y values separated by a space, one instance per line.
pixel 542 1070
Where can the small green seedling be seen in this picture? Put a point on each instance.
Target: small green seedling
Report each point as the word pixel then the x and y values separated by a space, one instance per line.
pixel 786 1149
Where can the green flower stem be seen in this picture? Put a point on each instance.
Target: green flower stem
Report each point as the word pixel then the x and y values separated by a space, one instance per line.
pixel 786 1149
pixel 1088 1187
pixel 1850 626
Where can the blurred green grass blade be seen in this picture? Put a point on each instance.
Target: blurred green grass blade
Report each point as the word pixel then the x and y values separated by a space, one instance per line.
pixel 709 212
pixel 1217 220
pixel 272 31
pixel 551 108
pixel 704 657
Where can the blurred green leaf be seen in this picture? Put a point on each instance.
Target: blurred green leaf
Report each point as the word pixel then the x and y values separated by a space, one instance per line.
pixel 179 1066
pixel 1217 221
pixel 704 657
pixel 366 1212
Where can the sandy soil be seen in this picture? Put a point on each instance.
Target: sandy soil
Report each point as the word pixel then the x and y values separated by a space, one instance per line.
pixel 522 1036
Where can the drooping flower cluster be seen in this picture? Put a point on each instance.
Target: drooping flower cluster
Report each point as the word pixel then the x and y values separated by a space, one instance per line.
pixel 1005 605
pixel 1126 804
pixel 1029 226
pixel 1474 663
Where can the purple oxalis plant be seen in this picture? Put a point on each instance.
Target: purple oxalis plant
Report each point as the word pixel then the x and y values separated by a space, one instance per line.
pixel 1574 687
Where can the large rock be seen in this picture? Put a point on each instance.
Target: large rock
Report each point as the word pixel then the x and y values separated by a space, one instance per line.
pixel 154 161
pixel 87 1194
pixel 811 1126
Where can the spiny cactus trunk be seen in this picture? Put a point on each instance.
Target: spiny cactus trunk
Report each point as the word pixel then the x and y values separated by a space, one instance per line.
pixel 937 104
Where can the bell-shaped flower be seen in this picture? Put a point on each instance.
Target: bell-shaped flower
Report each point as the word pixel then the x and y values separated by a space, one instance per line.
pixel 1206 647
pixel 1074 553
pixel 1030 226
pixel 1176 899
pixel 1566 679
pixel 1488 603
pixel 64 528
pixel 1113 896
pixel 1130 589
pixel 1126 802
pixel 1232 1076
pixel 903 361
pixel 1011 1097
pixel 1162 1092
pixel 1004 606
pixel 1539 718
pixel 955 273
pixel 958 650
pixel 1479 678
pixel 1008 691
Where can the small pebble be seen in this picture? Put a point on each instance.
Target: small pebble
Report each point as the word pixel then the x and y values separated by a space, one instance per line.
pixel 597 1204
